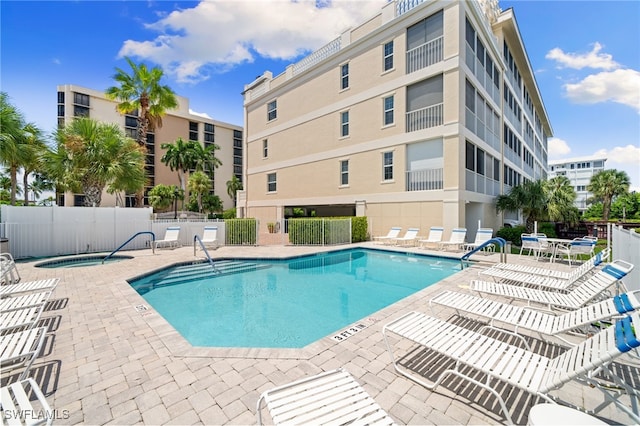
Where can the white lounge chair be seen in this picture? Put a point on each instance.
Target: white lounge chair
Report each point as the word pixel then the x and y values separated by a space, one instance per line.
pixel 535 270
pixel 434 237
pixel 482 236
pixel 17 399
pixel 21 318
pixel 546 280
pixel 20 349
pixel 579 295
pixel 210 236
pixel 409 237
pixel 28 287
pixel 542 322
pixel 456 240
pixel 333 397
pixel 8 270
pixel 513 365
pixel 391 235
pixel 170 238
pixel 27 300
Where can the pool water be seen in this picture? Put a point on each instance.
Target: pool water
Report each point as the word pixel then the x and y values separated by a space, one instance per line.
pixel 287 304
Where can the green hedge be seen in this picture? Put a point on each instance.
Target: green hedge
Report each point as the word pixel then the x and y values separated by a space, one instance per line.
pixel 240 231
pixel 359 229
pixel 512 234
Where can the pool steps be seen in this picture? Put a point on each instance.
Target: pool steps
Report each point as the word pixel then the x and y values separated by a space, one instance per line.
pixel 186 273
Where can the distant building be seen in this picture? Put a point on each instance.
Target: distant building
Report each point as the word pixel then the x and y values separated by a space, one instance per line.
pixel 419 116
pixel 74 101
pixel 579 171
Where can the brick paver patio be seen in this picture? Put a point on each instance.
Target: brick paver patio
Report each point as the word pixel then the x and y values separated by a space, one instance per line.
pixel 106 361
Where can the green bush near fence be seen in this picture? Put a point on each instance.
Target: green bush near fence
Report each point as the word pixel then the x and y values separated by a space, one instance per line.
pixel 326 230
pixel 240 231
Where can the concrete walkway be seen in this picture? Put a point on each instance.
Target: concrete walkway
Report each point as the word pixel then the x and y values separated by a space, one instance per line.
pixel 109 361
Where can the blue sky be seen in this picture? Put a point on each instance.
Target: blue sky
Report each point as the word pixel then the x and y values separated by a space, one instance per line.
pixel 586 57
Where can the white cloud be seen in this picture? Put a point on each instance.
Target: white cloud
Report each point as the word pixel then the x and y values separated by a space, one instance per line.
pixel 558 148
pixel 621 86
pixel 625 158
pixel 593 59
pixel 216 35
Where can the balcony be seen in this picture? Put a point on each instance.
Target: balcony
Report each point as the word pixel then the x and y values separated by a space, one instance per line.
pixel 424 180
pixel 427 54
pixel 425 118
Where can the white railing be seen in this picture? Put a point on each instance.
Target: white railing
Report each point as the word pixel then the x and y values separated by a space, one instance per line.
pixel 626 246
pixel 318 56
pixel 425 118
pixel 427 54
pixel 318 231
pixel 403 6
pixel 424 180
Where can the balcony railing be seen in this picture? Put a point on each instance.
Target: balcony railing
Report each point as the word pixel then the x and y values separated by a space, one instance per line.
pixel 427 54
pixel 425 118
pixel 424 180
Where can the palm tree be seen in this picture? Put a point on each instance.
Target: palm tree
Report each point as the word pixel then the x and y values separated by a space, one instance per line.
pixel 35 148
pixel 141 91
pixel 233 186
pixel 199 183
pixel 179 157
pixel 606 185
pixel 90 156
pixel 530 197
pixel 12 142
pixel 205 158
pixel 561 199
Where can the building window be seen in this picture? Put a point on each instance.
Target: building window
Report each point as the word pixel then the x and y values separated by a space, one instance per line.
pixel 388 110
pixel 344 76
pixel 344 124
pixel 272 110
pixel 387 165
pixel 344 172
pixel 388 56
pixel 271 182
pixel 265 148
pixel 80 99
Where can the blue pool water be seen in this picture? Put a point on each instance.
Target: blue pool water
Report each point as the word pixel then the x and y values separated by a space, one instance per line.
pixel 285 304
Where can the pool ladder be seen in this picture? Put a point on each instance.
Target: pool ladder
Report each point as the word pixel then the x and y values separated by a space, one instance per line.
pixel 196 238
pixel 153 239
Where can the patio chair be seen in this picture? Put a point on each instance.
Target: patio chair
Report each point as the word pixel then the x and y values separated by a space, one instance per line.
pixel 535 270
pixel 546 280
pixel 17 404
pixel 20 349
pixel 391 235
pixel 409 237
pixel 434 237
pixel 482 236
pixel 578 246
pixel 24 301
pixel 28 287
pixel 542 322
pixel 210 236
pixel 170 238
pixel 332 397
pixel 21 318
pixel 9 271
pixel 576 298
pixel 521 368
pixel 456 240
pixel 532 244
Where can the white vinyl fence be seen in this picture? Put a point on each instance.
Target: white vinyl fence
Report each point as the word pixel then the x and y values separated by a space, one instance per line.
pixel 626 246
pixel 57 231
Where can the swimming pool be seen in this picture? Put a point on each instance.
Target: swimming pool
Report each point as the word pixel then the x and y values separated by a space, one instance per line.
pixel 285 303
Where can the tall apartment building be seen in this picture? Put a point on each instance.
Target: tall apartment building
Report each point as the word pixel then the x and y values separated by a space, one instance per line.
pixel 579 171
pixel 74 101
pixel 419 116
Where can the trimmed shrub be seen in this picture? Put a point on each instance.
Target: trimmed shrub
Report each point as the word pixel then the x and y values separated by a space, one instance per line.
pixel 359 229
pixel 240 231
pixel 512 234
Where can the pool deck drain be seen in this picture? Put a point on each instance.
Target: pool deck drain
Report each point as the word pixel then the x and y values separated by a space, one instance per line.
pixel 108 363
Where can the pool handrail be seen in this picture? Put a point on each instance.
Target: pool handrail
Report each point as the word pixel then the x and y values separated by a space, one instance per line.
pixel 197 238
pixel 497 240
pixel 153 238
